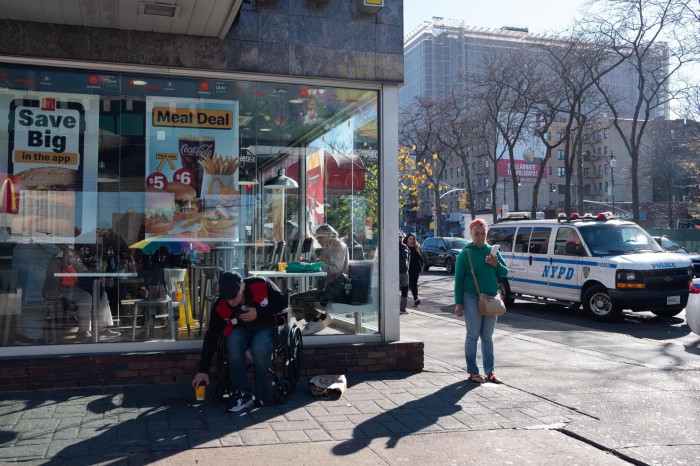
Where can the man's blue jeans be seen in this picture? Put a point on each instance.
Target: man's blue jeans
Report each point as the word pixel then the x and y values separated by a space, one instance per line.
pixel 478 326
pixel 260 344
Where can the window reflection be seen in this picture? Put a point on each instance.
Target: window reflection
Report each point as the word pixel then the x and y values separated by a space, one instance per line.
pixel 97 163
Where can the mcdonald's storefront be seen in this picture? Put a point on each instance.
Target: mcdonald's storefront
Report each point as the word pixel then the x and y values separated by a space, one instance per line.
pixel 150 150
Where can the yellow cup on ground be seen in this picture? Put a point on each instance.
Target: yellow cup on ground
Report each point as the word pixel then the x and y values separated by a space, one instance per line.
pixel 281 266
pixel 200 392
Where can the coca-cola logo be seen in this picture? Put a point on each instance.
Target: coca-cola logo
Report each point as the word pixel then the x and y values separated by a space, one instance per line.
pixel 197 149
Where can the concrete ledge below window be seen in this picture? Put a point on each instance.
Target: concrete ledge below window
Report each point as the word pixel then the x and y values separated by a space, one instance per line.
pixel 52 372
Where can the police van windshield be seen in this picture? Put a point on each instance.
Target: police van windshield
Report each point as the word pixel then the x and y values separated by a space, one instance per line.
pixel 608 239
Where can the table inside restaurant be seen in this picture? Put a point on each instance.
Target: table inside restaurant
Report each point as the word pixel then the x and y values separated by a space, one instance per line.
pixel 303 276
pixel 96 278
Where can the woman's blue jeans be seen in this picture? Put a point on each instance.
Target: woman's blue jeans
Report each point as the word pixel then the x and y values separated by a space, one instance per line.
pixel 260 344
pixel 478 326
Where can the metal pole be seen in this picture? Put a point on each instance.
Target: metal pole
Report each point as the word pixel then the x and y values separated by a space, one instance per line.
pixel 504 196
pixel 613 162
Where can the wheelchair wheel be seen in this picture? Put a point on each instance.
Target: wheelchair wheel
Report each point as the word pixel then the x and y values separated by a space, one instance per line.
pixel 222 390
pixel 292 365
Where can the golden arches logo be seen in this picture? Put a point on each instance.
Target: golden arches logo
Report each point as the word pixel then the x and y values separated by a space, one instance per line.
pixel 211 189
pixel 8 185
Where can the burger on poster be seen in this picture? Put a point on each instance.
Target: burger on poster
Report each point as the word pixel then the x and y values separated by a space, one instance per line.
pixel 185 200
pixel 49 179
pixel 160 210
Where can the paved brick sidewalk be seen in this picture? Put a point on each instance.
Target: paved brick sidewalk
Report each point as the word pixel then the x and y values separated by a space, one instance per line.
pixel 100 424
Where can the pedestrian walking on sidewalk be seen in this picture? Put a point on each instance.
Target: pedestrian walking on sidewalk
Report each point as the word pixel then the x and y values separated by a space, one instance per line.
pixel 487 269
pixel 404 265
pixel 415 268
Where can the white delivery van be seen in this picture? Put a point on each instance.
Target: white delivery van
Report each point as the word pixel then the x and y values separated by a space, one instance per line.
pixel 602 262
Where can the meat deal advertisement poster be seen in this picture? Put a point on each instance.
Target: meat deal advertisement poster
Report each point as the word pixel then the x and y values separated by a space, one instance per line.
pixel 192 142
pixel 51 147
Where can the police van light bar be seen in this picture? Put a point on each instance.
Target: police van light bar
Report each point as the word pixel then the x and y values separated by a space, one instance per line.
pixel 575 216
pixel 604 216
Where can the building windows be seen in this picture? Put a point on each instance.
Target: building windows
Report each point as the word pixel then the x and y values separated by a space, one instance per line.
pixel 561 171
pixel 561 189
pixel 560 154
pixel 586 173
pixel 605 133
pixel 549 170
pixel 605 151
pixel 587 190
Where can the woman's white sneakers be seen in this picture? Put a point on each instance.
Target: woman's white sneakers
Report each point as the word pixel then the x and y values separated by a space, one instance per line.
pixel 316 326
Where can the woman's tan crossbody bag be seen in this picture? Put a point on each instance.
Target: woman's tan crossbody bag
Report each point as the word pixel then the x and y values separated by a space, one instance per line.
pixel 488 305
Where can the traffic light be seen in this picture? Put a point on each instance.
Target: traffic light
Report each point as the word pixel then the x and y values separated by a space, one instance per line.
pixel 463 199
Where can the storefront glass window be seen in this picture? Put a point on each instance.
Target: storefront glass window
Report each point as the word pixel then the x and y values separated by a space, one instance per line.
pixel 129 194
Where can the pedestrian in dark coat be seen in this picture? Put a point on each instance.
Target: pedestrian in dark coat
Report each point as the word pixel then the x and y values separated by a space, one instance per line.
pixel 416 265
pixel 404 264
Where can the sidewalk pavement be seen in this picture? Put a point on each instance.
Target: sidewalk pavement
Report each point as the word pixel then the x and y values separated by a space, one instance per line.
pixel 434 417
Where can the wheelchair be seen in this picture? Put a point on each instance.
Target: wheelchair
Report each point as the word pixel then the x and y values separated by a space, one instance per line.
pixel 285 366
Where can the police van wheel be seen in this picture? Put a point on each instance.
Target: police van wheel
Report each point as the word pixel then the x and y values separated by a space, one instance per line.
pixel 504 291
pixel 599 306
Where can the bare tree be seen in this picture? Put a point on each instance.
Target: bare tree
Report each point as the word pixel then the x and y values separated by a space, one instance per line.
pixel 502 97
pixel 575 63
pixel 419 127
pixel 652 39
pixel 665 154
pixel 463 134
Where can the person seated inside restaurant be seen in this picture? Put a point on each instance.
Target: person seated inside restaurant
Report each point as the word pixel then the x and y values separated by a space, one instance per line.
pixel 82 298
pixel 154 277
pixel 310 305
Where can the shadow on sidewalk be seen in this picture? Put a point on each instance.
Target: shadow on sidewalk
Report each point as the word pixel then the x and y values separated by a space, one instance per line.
pixel 409 418
pixel 137 423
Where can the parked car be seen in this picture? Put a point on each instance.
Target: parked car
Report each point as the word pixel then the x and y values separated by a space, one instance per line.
pixel 670 246
pixel 692 309
pixel 442 252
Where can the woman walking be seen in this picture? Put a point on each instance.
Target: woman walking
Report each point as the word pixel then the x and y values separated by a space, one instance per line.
pixel 415 268
pixel 487 269
pixel 404 267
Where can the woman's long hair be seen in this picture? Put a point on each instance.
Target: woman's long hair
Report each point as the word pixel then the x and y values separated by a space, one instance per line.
pixel 405 241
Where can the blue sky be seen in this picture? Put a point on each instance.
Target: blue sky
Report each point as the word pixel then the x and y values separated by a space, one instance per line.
pixel 540 16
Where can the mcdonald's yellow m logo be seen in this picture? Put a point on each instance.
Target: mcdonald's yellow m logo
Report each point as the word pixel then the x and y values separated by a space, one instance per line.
pixel 8 205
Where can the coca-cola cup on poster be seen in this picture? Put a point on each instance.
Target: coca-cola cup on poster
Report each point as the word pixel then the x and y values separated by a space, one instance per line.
pixel 192 149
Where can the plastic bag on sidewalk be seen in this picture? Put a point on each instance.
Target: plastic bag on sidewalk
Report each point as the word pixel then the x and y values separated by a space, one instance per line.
pixel 328 386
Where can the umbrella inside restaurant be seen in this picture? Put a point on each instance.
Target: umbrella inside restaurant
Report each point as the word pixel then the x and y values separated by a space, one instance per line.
pixel 176 244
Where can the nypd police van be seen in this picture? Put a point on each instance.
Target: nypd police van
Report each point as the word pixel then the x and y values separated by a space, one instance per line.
pixel 601 262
